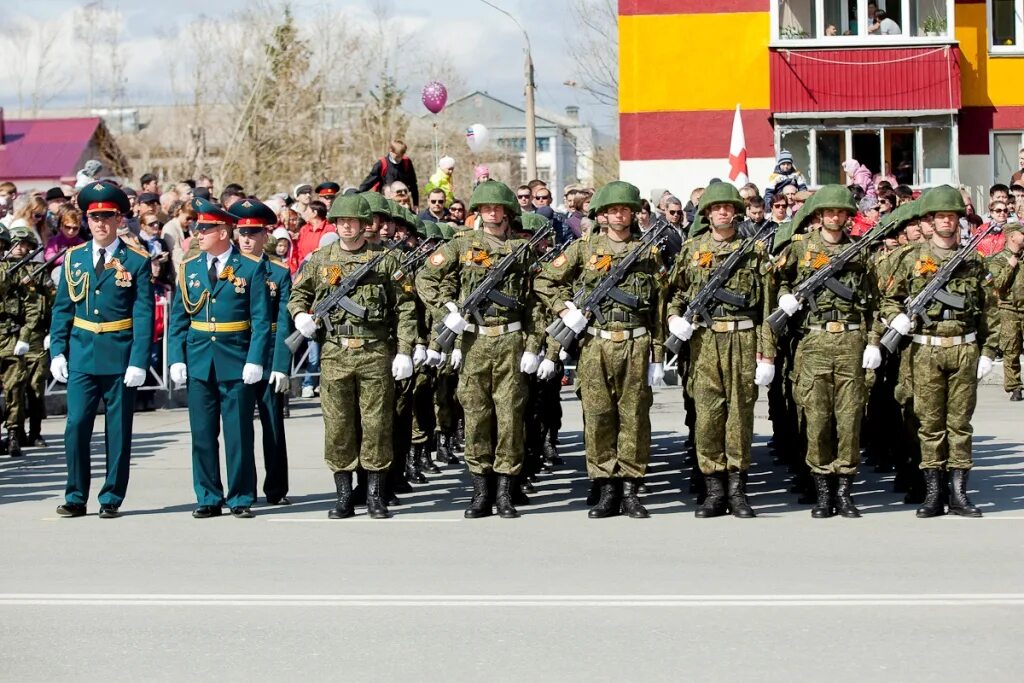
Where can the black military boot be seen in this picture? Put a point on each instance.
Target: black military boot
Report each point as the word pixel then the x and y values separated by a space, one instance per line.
pixel 480 504
pixel 594 492
pixel 959 503
pixel 844 502
pixel 444 453
pixel 738 502
pixel 503 499
pixel 13 444
pixel 631 505
pixel 1015 395
pixel 932 505
pixel 518 490
pixel 715 503
pixel 609 504
pixel 375 506
pixel 412 466
pixel 551 456
pixel 344 507
pixel 823 506
pixel 424 460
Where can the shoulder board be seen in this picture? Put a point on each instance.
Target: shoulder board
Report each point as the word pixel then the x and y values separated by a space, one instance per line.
pixel 257 259
pixel 189 260
pixel 689 242
pixel 463 233
pixel 79 246
pixel 800 236
pixel 140 252
pixel 277 262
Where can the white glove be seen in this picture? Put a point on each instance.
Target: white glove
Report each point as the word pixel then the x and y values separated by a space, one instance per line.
pixel 134 377
pixel 434 358
pixel 456 359
pixel 901 324
pixel 573 319
pixel 563 355
pixel 454 321
pixel 547 369
pixel 179 373
pixel 401 367
pixel 252 373
pixel 419 355
pixel 46 343
pixel 655 374
pixel 59 368
pixel 765 373
pixel 680 327
pixel 789 304
pixel 984 366
pixel 529 363
pixel 872 357
pixel 280 382
pixel 305 324
pixel 21 348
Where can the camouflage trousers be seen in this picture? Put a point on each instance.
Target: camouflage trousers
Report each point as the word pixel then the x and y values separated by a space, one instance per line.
pixel 423 420
pixel 446 406
pixel 14 375
pixel 357 395
pixel 830 389
pixel 1011 325
pixel 616 401
pixel 945 394
pixel 721 381
pixel 492 391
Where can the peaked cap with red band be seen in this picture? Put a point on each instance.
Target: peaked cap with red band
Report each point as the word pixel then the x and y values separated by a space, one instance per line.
pixel 328 189
pixel 252 215
pixel 210 213
pixel 103 197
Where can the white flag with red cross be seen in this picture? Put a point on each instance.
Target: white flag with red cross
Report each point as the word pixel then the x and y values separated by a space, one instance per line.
pixel 738 152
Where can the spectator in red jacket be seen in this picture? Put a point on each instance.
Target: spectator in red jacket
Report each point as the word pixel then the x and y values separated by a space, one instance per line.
pixel 999 214
pixel 316 227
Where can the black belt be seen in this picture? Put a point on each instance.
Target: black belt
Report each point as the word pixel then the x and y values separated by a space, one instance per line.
pixel 622 317
pixel 722 312
pixel 358 331
pixel 832 316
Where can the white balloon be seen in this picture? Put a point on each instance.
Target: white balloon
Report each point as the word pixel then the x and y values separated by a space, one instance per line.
pixel 477 136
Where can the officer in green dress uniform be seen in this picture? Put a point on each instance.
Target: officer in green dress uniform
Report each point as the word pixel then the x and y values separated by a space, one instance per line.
pixel 100 338
pixel 218 340
pixel 253 219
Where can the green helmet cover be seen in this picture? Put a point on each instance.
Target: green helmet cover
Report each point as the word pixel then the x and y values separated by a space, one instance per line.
pixel 351 206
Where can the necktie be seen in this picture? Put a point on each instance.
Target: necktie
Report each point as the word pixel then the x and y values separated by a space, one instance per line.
pixel 212 272
pixel 101 260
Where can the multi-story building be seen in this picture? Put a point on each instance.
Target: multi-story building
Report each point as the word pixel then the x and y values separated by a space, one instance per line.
pixel 930 92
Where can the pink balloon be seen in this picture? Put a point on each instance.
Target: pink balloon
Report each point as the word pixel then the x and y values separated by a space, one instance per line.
pixel 434 96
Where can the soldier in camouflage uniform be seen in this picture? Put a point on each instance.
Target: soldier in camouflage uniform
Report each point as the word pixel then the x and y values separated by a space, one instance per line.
pixel 619 359
pixel 447 410
pixel 829 382
pixel 20 318
pixel 358 372
pixel 1008 286
pixel 492 389
pixel 37 360
pixel 729 354
pixel 944 354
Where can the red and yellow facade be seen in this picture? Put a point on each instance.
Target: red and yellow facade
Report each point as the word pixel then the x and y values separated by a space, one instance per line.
pixel 686 64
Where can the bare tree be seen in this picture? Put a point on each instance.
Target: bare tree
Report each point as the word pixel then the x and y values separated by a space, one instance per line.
pixel 594 49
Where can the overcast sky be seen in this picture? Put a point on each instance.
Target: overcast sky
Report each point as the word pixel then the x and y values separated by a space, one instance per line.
pixel 485 46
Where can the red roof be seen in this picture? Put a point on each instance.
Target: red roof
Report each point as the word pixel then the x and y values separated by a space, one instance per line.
pixel 44 148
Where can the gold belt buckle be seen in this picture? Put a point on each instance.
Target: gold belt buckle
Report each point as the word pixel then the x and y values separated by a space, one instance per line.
pixel 721 326
pixel 947 342
pixel 834 327
pixel 354 343
pixel 619 335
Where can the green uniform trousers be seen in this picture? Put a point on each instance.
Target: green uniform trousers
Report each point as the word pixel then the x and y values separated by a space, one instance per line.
pixel 830 389
pixel 357 397
pixel 83 398
pixel 616 405
pixel 423 420
pixel 270 405
pixel 492 391
pixel 446 406
pixel 1011 325
pixel 210 402
pixel 722 384
pixel 945 394
pixel 14 375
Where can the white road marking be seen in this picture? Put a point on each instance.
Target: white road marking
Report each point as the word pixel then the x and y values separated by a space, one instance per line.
pixel 284 600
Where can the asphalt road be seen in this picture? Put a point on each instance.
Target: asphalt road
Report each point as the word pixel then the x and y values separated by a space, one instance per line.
pixel 553 596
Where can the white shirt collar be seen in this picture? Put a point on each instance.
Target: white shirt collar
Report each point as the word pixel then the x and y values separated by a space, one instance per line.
pixel 109 250
pixel 221 259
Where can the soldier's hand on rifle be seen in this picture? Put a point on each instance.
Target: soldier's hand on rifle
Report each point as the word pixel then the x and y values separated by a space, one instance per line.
pixel 59 368
pixel 572 318
pixel 305 324
pixel 419 355
pixel 872 357
pixel 454 320
pixel 790 304
pixel 764 374
pixel 529 363
pixel 984 366
pixel 680 327
pixel 456 359
pixel 901 323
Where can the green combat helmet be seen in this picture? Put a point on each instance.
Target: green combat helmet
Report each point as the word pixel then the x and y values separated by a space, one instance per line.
pixel 531 223
pixel 447 231
pixel 720 193
pixel 432 230
pixel 494 192
pixel 419 226
pixel 833 197
pixel 616 193
pixel 350 206
pixel 377 203
pixel 797 224
pixel 943 198
pixel 22 233
pixel 408 218
pixel 396 211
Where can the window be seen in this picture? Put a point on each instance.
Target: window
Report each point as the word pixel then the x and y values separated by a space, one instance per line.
pixel 1005 147
pixel 918 151
pixel 1006 26
pixel 519 144
pixel 543 144
pixel 862 22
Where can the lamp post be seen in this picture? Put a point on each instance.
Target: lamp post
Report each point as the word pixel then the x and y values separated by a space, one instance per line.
pixel 531 86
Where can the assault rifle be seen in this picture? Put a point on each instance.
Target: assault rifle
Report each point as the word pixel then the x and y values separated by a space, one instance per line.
pixel 552 254
pixel 339 298
pixel 23 260
pixel 43 267
pixel 825 276
pixel 608 287
pixel 414 258
pixel 936 289
pixel 487 290
pixel 714 289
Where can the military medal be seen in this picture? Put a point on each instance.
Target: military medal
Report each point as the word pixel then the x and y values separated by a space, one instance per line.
pixel 122 278
pixel 272 286
pixel 239 283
